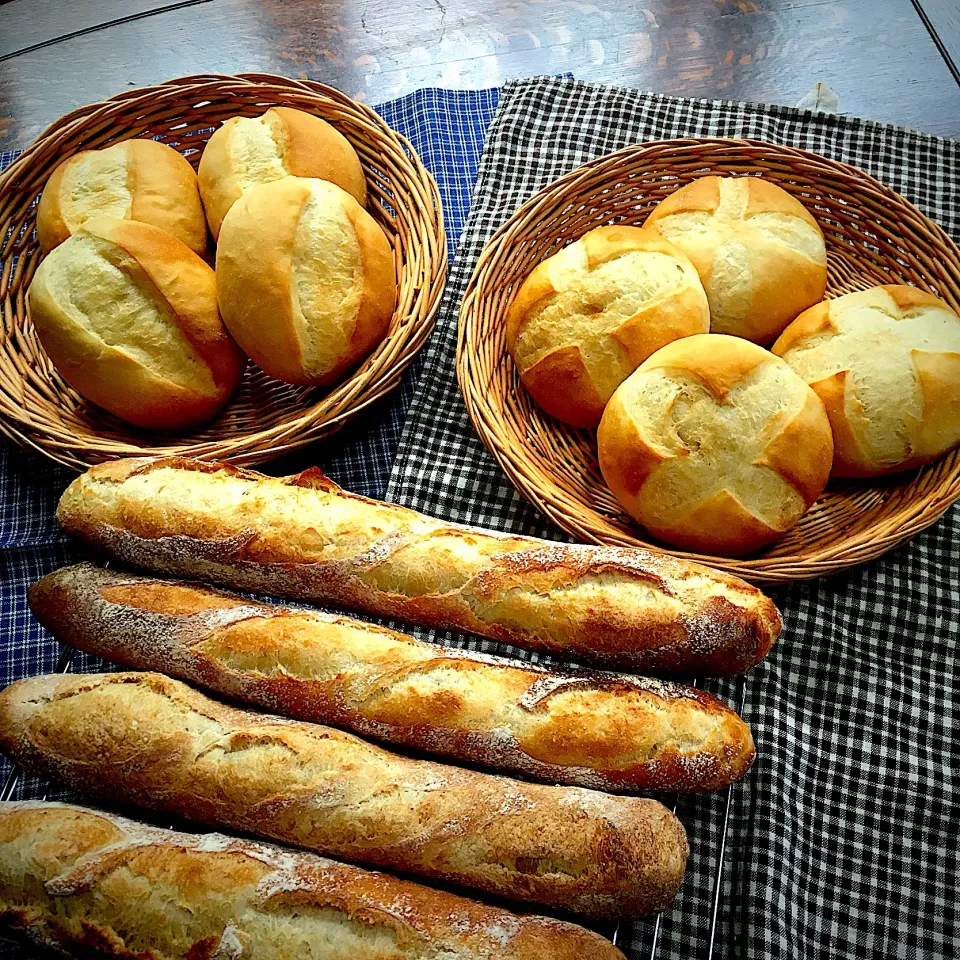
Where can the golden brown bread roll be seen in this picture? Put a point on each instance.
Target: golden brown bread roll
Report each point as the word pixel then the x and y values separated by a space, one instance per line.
pixel 886 364
pixel 305 279
pixel 602 731
pixel 759 252
pixel 78 880
pixel 303 537
pixel 715 445
pixel 247 151
pixel 128 315
pixel 588 316
pixel 142 180
pixel 145 739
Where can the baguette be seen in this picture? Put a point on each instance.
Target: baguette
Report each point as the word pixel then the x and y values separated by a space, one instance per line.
pixel 155 742
pixel 81 883
pixel 303 537
pixel 602 731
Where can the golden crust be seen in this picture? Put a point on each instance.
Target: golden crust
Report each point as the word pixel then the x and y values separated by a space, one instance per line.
pixel 626 459
pixel 938 373
pixel 85 880
pixel 152 741
pixel 813 321
pixel 578 403
pixel 592 730
pixel 219 188
pixel 51 229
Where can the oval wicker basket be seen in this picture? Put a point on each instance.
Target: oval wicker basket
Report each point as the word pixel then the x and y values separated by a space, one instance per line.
pixel 265 417
pixel 873 236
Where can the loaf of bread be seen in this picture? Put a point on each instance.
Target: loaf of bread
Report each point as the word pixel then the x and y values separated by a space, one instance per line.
pixel 886 364
pixel 145 739
pixel 282 142
pixel 142 180
pixel 715 445
pixel 82 883
pixel 603 731
pixel 588 316
pixel 128 315
pixel 758 250
pixel 303 537
pixel 306 255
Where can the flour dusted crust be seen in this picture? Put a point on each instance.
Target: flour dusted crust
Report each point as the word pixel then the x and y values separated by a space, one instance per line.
pixel 605 731
pixel 305 538
pixel 152 741
pixel 77 880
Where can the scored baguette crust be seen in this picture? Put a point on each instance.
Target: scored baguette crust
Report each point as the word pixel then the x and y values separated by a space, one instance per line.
pixel 303 537
pixel 603 731
pixel 155 742
pixel 82 882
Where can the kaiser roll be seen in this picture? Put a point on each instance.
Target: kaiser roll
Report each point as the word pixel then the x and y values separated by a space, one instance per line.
pixel 715 445
pixel 135 180
pixel 283 142
pixel 886 364
pixel 759 253
pixel 305 279
pixel 588 316
pixel 128 315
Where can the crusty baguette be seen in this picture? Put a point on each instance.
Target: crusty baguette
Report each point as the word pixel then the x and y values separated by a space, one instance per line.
pixel 155 742
pixel 603 731
pixel 305 538
pixel 85 882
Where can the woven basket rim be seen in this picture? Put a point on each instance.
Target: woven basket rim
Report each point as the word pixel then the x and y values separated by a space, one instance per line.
pixel 319 416
pixel 549 496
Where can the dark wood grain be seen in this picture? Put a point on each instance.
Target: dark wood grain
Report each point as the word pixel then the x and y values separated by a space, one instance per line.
pixel 878 56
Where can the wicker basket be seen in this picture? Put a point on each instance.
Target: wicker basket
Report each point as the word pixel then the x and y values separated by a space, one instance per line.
pixel 265 418
pixel 873 236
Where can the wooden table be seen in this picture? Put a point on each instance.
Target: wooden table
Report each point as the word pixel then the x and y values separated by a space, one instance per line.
pixel 889 60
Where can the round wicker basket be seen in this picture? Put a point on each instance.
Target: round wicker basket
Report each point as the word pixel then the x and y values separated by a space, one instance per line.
pixel 265 418
pixel 873 236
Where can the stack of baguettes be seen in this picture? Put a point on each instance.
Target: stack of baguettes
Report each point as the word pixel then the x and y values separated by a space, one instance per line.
pixel 578 844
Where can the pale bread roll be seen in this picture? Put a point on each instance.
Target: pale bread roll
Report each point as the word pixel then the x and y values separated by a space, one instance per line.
pixel 715 445
pixel 759 252
pixel 588 316
pixel 282 142
pixel 141 180
pixel 128 315
pixel 886 364
pixel 305 279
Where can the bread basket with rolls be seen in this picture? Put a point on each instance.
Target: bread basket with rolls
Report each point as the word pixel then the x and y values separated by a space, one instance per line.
pixel 113 325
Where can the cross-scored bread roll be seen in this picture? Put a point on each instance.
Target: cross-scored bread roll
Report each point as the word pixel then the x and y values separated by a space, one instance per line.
pixel 303 537
pixel 80 882
pixel 283 142
pixel 603 731
pixel 715 445
pixel 588 316
pixel 305 279
pixel 146 739
pixel 142 180
pixel 128 315
pixel 886 364
pixel 759 252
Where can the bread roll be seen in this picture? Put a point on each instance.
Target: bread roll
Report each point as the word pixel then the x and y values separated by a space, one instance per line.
pixel 886 364
pixel 759 252
pixel 594 730
pixel 80 881
pixel 128 315
pixel 303 537
pixel 247 151
pixel 305 279
pixel 715 445
pixel 146 739
pixel 588 316
pixel 142 180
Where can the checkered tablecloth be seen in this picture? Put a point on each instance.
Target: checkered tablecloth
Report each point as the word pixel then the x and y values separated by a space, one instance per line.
pixel 843 837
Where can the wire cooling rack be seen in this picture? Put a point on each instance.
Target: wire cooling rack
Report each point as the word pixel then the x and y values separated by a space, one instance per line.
pixel 65 662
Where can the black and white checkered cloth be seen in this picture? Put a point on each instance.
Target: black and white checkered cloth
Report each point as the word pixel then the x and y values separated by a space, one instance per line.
pixel 844 835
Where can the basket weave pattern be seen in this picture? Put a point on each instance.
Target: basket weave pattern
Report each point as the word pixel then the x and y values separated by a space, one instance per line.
pixel 873 236
pixel 265 417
